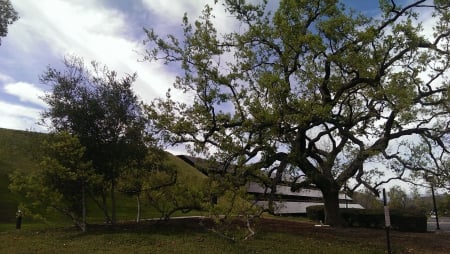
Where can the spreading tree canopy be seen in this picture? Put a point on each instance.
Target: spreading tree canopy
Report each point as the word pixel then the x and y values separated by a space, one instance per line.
pixel 7 16
pixel 314 89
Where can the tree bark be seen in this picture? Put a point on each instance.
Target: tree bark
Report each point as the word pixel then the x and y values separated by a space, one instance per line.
pixel 83 205
pixel 331 207
pixel 113 203
pixel 138 216
pixel 105 208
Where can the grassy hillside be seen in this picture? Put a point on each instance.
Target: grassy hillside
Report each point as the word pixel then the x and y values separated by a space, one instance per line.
pixel 19 150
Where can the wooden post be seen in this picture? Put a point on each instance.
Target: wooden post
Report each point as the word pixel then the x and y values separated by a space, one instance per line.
pixel 435 208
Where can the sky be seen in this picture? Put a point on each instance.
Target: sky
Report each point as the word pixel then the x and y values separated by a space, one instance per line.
pixel 107 31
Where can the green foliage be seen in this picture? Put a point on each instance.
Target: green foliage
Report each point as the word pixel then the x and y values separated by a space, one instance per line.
pixel 367 199
pixel 7 16
pixel 136 176
pixel 168 196
pixel 21 154
pixel 409 220
pixel 62 181
pixel 165 184
pixel 315 213
pixel 401 219
pixel 398 199
pixel 230 205
pixel 104 113
pixel 185 194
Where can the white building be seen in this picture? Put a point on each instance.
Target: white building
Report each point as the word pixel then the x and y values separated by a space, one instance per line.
pixel 289 202
pixel 286 201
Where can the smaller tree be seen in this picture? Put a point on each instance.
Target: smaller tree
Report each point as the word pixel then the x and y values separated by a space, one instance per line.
pixel 62 181
pixel 131 183
pixel 398 198
pixel 167 195
pixel 102 110
pixel 417 201
pixel 444 204
pixel 234 207
pixel 7 16
pixel 135 177
pixel 367 199
pixel 168 189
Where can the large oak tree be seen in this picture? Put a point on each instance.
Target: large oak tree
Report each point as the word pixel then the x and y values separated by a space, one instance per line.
pixel 313 89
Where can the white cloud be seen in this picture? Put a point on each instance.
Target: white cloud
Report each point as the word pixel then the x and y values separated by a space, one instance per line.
pixel 26 92
pixel 91 31
pixel 13 116
pixel 63 24
pixel 5 78
pixel 172 12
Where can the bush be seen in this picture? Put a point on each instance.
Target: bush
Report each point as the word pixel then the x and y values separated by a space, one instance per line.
pixel 315 212
pixel 409 220
pixel 401 220
pixel 363 218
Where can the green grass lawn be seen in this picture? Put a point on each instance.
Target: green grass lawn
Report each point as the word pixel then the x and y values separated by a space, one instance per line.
pixel 188 242
pixel 188 236
pixel 162 238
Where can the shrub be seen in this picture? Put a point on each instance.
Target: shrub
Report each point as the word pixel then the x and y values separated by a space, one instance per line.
pixel 315 212
pixel 409 220
pixel 363 218
pixel 401 220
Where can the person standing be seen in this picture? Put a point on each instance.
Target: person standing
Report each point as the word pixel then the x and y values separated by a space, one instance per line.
pixel 18 219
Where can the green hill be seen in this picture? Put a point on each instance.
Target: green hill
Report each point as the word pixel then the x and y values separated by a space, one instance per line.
pixel 20 150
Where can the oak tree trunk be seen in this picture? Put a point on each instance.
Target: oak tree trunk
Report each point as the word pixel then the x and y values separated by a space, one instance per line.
pixel 331 207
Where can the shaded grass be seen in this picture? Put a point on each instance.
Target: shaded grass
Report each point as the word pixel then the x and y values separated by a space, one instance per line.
pixel 170 237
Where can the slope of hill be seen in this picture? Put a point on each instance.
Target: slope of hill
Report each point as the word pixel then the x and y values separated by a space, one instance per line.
pixel 19 150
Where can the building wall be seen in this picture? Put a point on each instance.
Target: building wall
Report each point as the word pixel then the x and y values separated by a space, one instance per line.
pixel 289 202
